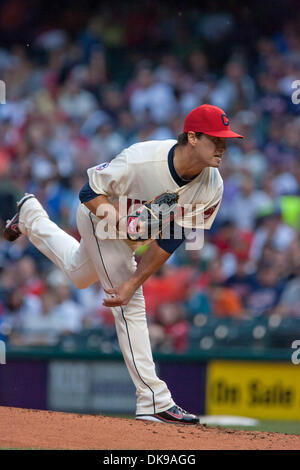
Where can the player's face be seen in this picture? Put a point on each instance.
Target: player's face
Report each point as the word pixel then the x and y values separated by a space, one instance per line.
pixel 210 150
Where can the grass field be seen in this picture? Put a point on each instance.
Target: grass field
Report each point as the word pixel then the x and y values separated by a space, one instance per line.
pixel 286 427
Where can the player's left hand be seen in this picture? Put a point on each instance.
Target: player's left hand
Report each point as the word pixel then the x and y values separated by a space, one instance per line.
pixel 120 295
pixel 148 220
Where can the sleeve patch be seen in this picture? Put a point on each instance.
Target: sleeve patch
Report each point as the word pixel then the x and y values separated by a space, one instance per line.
pixel 102 166
pixel 209 212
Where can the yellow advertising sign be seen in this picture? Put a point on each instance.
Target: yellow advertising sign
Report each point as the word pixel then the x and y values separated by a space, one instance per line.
pixel 263 390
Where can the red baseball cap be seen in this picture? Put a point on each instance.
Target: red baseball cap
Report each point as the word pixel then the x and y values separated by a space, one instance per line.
pixel 209 120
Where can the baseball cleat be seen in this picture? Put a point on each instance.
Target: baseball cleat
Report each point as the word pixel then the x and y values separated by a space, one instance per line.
pixel 11 231
pixel 174 415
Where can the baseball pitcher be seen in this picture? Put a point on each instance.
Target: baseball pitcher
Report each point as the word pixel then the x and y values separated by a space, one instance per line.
pixel 163 177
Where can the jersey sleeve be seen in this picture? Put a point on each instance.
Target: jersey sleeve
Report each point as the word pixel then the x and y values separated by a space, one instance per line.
pixel 210 215
pixel 87 194
pixel 171 243
pixel 110 179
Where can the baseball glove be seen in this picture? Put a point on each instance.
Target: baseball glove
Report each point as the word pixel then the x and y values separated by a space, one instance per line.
pixel 150 218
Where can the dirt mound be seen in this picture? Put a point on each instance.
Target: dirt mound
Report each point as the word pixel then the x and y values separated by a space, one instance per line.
pixel 21 428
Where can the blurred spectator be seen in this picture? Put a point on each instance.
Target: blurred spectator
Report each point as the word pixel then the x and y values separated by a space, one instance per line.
pixel 226 302
pixel 16 309
pixel 266 290
pixel 248 204
pixel 106 142
pixel 90 303
pixel 170 284
pixel 169 333
pixel 77 94
pixel 289 302
pixel 236 90
pixel 151 98
pixel 271 230
pixel 198 302
pixel 40 327
pixel 231 239
pixel 75 102
pixel 215 300
pixel 242 282
pixel 67 312
pixel 253 162
pixel 28 278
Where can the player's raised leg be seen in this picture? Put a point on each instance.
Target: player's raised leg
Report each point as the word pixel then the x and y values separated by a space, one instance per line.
pixel 61 248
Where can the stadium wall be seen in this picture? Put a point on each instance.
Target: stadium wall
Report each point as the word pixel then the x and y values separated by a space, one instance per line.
pixel 258 387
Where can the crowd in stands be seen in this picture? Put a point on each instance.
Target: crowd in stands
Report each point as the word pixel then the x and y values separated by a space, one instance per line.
pixel 72 102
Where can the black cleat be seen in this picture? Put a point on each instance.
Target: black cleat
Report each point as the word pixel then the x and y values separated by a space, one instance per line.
pixel 174 415
pixel 11 231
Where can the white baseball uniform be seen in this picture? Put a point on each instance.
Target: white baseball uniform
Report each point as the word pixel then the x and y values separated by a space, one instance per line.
pixel 140 172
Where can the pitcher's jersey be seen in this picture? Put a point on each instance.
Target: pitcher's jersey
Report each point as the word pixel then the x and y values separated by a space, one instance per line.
pixel 144 170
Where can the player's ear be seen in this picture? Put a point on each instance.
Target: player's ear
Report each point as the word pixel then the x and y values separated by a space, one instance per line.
pixel 192 139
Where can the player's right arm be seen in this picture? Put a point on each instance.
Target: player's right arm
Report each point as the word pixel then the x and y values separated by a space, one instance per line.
pixel 150 262
pixel 100 205
pixel 93 204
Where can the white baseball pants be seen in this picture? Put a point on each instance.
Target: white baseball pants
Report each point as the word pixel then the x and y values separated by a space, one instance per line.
pixel 112 262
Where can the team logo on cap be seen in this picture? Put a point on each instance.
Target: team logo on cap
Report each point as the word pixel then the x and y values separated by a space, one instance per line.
pixel 225 119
